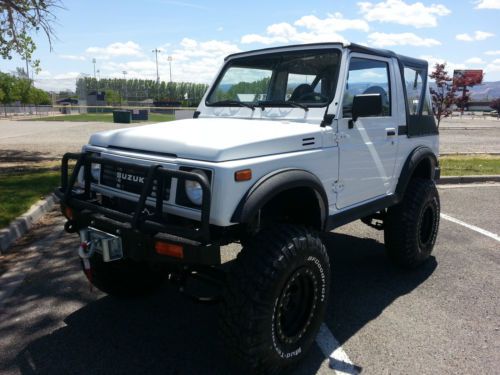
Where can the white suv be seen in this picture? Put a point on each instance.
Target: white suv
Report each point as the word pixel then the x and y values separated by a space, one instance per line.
pixel 287 142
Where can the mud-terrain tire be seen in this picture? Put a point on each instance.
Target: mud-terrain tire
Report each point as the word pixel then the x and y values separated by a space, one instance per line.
pixel 275 299
pixel 123 278
pixel 411 227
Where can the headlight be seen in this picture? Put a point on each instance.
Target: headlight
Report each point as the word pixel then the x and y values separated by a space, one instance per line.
pixel 95 171
pixel 194 191
pixel 80 181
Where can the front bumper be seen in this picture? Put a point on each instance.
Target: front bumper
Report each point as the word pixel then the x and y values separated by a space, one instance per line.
pixel 139 231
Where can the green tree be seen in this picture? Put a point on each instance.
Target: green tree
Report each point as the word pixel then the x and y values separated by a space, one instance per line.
pixel 256 87
pixel 10 90
pixel 139 89
pixel 443 97
pixel 19 19
pixel 40 97
pixel 24 90
pixel 112 97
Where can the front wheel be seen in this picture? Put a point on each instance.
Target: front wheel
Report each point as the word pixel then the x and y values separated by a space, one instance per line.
pixel 275 299
pixel 411 227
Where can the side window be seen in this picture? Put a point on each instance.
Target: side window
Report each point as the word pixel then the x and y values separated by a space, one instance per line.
pixel 420 117
pixel 413 83
pixel 367 77
pixel 426 110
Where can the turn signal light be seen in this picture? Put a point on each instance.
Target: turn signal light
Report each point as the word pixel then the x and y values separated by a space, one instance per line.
pixel 170 249
pixel 243 175
pixel 68 212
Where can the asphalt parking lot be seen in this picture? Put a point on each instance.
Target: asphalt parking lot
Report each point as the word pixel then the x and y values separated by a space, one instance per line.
pixel 443 318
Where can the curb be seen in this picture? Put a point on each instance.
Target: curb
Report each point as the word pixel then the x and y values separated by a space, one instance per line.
pixel 468 127
pixel 467 179
pixel 25 222
pixel 467 153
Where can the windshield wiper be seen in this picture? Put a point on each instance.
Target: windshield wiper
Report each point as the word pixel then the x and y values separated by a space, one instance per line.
pixel 283 102
pixel 234 102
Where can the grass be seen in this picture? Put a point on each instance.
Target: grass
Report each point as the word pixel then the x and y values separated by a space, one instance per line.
pixel 101 117
pixel 19 191
pixel 466 165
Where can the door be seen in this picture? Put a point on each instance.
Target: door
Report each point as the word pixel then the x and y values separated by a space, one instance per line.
pixel 367 146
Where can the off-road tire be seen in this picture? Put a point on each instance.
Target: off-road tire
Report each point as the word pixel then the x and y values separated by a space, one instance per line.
pixel 275 299
pixel 123 278
pixel 411 227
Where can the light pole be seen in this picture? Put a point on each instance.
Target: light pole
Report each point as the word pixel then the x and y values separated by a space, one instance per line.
pixel 170 66
pixel 93 62
pixel 125 78
pixel 97 80
pixel 156 51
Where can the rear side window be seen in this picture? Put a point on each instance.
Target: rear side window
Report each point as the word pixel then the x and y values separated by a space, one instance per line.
pixel 417 94
pixel 420 117
pixel 367 77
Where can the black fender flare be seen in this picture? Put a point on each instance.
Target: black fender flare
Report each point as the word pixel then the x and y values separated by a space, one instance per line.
pixel 412 161
pixel 269 186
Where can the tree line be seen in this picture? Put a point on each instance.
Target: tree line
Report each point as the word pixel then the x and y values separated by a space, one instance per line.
pixel 231 92
pixel 19 88
pixel 125 90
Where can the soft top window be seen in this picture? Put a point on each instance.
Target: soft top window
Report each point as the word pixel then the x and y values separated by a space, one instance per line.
pixel 419 114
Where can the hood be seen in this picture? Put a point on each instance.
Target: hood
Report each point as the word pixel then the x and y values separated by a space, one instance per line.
pixel 214 139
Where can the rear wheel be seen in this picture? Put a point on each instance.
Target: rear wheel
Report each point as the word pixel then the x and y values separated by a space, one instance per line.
pixel 275 299
pixel 125 278
pixel 411 227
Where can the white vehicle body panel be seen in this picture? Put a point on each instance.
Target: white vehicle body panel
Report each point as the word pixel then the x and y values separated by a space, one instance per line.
pixel 363 161
pixel 227 192
pixel 213 140
pixel 368 153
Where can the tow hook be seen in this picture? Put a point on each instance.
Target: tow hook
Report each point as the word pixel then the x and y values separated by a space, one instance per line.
pixel 180 279
pixel 85 251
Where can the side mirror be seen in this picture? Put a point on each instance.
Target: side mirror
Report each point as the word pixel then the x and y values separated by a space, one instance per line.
pixel 366 105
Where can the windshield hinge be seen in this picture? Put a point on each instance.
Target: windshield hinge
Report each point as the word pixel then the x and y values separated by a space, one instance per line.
pixel 327 120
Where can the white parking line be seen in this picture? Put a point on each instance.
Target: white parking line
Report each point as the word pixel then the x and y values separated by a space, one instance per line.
pixel 339 361
pixel 472 227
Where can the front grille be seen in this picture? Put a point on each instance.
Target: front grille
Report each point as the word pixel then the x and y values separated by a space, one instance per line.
pixel 131 180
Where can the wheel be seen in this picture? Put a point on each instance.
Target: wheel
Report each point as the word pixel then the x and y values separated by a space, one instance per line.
pixel 411 227
pixel 275 299
pixel 124 278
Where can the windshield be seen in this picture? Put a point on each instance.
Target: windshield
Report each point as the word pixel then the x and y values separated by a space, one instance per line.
pixel 298 79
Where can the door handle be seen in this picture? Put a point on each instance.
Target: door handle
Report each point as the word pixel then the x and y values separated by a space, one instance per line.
pixel 390 132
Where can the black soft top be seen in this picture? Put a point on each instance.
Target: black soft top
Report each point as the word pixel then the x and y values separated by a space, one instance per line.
pixel 418 124
pixel 406 60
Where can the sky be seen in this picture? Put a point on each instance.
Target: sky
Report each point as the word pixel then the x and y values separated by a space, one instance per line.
pixel 197 35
